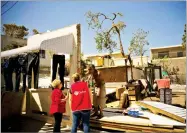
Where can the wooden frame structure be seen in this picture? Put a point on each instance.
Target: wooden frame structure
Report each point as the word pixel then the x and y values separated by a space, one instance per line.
pixel 66 41
pixel 152 69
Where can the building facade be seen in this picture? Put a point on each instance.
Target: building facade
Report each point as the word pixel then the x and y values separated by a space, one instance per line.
pixel 103 59
pixel 170 52
pixel 114 59
pixel 173 60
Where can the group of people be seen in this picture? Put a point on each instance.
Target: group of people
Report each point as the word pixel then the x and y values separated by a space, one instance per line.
pixel 84 95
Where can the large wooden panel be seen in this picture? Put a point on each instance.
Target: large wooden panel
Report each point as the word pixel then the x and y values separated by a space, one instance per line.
pixel 40 100
pixel 11 104
pixel 173 112
pixel 114 74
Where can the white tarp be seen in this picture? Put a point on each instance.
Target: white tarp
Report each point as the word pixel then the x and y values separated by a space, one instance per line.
pixel 53 41
pixel 18 51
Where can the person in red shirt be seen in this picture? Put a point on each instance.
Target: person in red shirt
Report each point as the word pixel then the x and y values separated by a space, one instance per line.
pixel 58 104
pixel 80 103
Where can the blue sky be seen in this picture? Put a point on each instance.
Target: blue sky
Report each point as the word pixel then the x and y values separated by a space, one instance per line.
pixel 164 20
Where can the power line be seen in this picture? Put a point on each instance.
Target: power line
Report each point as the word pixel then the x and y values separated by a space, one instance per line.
pixel 4 4
pixel 9 8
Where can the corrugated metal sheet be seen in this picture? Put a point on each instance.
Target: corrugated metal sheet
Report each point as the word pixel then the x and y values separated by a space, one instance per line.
pixel 63 44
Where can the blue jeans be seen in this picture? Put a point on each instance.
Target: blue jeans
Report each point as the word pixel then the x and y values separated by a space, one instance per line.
pixel 85 116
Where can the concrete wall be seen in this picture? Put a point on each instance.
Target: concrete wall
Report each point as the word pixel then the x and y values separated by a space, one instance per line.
pixel 107 62
pixel 46 62
pixel 172 51
pixel 176 63
pixel 136 61
pixel 117 60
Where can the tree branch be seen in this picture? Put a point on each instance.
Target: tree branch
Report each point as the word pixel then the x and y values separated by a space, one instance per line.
pixel 144 52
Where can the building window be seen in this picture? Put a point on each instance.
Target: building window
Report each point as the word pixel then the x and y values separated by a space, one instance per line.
pixel 42 54
pixel 163 54
pixel 179 54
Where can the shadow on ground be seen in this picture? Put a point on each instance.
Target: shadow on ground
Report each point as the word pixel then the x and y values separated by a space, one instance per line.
pixel 21 124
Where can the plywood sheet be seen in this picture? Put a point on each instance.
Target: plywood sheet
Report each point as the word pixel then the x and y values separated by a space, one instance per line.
pixel 173 112
pixel 127 120
pixel 158 120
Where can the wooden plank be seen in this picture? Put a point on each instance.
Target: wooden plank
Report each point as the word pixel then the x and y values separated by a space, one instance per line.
pixel 164 106
pixel 161 120
pixel 115 110
pixel 126 120
pixel 125 127
pixel 131 92
pixel 132 98
pixel 150 105
pixel 178 112
pixel 117 126
pixel 114 84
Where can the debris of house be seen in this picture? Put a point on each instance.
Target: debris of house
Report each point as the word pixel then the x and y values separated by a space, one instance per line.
pixel 173 112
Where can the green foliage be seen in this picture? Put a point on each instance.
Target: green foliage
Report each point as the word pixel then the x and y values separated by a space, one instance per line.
pixel 9 47
pixel 35 31
pixel 104 42
pixel 15 31
pixel 138 43
pixel 173 72
pixel 105 36
pixel 184 37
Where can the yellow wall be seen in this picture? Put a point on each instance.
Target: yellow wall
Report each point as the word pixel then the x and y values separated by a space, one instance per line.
pixel 96 60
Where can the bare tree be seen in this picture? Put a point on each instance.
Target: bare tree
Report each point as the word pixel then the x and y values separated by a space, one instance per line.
pixel 138 43
pixel 105 36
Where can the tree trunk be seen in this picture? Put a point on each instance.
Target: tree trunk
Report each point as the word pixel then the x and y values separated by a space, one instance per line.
pixel 122 51
pixel 142 61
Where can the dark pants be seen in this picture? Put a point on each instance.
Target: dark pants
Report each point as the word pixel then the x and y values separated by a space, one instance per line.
pixel 58 120
pixel 58 59
pixel 6 79
pixel 21 68
pixel 4 71
pixel 33 63
pixel 8 70
pixel 85 116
